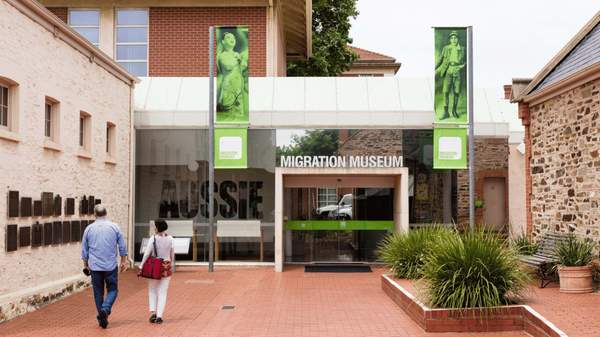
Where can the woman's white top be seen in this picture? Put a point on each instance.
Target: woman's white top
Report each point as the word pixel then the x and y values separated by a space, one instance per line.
pixel 164 248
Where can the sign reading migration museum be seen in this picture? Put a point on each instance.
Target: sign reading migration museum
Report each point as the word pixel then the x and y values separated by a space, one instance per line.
pixel 450 101
pixel 341 161
pixel 232 75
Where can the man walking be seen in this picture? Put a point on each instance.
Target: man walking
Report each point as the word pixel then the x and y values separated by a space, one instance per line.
pixel 99 254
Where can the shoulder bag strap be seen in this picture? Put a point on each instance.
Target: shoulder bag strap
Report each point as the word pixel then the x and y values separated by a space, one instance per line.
pixel 154 244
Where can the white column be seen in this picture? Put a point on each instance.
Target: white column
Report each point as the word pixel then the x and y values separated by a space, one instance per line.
pixel 278 221
pixel 401 203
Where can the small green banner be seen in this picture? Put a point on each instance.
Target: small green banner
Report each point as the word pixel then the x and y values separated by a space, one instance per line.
pixel 339 225
pixel 231 148
pixel 232 75
pixel 450 148
pixel 450 101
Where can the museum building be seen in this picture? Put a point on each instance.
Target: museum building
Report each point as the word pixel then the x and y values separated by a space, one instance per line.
pixel 268 213
pixel 559 108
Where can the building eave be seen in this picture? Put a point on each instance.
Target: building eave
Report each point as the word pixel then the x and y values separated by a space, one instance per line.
pixel 298 29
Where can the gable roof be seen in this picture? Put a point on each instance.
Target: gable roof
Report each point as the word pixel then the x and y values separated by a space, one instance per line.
pixel 370 56
pixel 581 53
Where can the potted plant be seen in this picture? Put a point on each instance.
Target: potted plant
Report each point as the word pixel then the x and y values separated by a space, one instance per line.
pixel 479 203
pixel 574 269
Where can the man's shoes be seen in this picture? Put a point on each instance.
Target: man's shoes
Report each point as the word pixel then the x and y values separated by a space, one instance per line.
pixel 152 318
pixel 158 320
pixel 103 318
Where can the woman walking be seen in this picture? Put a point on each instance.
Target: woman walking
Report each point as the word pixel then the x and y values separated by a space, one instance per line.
pixel 160 246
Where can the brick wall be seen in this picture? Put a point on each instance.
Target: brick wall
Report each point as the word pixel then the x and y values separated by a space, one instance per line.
pixel 565 162
pixel 61 12
pixel 178 38
pixel 491 160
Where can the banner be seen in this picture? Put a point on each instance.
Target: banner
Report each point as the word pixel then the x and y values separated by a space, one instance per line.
pixel 450 101
pixel 232 75
pixel 450 148
pixel 230 148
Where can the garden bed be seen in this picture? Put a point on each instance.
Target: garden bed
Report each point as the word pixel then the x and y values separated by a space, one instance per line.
pixel 506 318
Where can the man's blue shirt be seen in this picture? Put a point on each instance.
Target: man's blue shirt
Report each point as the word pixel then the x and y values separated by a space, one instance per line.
pixel 99 245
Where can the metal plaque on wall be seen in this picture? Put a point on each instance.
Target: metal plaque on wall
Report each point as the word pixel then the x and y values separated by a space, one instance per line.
pixel 66 232
pixel 36 234
pixel 11 238
pixel 75 231
pixel 91 204
pixel 56 232
pixel 24 236
pixel 13 204
pixel 57 205
pixel 37 208
pixel 47 203
pixel 26 209
pixel 47 233
pixel 70 206
pixel 84 224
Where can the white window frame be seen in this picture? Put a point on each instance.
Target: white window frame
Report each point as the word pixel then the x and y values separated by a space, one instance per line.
pixel 325 197
pixel 87 26
pixel 147 43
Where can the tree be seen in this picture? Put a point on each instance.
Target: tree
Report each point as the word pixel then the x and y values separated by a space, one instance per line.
pixel 331 27
pixel 313 143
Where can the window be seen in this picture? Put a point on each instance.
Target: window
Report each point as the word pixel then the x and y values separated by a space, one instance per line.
pixel 132 40
pixel 4 101
pixel 110 139
pixel 326 197
pixel 85 129
pixel 48 120
pixel 87 23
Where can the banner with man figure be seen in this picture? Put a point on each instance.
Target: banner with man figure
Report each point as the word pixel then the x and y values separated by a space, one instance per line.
pixel 450 102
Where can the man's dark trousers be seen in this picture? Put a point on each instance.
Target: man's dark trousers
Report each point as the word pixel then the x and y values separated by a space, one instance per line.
pixel 99 280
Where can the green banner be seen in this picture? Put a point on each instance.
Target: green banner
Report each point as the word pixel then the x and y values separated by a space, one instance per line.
pixel 231 148
pixel 232 75
pixel 450 102
pixel 450 148
pixel 339 225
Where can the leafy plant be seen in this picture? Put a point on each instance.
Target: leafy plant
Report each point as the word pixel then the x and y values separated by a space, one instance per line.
pixel 405 253
pixel 474 270
pixel 524 246
pixel 574 252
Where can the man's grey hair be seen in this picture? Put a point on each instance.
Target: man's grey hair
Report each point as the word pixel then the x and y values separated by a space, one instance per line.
pixel 99 210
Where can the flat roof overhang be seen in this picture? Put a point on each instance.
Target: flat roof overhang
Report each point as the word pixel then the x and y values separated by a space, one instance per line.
pixel 317 102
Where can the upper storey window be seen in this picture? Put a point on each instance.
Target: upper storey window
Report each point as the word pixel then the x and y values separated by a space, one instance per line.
pixel 132 40
pixel 87 23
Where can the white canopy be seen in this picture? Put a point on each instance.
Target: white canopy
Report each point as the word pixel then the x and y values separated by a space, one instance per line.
pixel 319 102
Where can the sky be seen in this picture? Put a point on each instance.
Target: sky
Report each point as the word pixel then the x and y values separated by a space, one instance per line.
pixel 512 38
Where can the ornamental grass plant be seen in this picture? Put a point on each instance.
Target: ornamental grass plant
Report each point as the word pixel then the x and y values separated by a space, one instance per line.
pixel 524 246
pixel 574 252
pixel 405 253
pixel 473 270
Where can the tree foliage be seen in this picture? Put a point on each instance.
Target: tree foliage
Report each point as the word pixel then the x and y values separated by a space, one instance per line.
pixel 313 143
pixel 331 27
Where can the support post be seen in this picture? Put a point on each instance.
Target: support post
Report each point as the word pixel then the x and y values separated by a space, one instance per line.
pixel 211 150
pixel 471 133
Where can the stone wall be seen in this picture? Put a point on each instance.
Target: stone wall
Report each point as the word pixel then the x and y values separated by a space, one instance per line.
pixel 565 162
pixel 48 67
pixel 371 142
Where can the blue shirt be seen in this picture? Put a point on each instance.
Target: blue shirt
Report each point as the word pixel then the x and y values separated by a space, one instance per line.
pixel 99 245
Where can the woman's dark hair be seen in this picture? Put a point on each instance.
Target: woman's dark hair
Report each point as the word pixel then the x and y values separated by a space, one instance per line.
pixel 161 225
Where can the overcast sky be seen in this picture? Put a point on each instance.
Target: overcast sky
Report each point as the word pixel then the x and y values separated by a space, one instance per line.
pixel 512 38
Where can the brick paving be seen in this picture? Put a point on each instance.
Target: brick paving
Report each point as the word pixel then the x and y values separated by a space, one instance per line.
pixel 292 303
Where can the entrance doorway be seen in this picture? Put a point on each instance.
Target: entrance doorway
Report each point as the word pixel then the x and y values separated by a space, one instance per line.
pixel 494 196
pixel 337 214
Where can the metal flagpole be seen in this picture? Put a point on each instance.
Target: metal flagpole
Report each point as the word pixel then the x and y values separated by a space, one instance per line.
pixel 471 133
pixel 211 149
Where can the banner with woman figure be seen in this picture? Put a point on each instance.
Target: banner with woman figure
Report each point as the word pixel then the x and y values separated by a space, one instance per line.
pixel 232 75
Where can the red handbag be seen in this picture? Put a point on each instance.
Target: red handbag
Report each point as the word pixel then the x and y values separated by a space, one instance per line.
pixel 153 267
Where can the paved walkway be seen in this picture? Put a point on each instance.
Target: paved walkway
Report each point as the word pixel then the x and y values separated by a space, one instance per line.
pixel 266 303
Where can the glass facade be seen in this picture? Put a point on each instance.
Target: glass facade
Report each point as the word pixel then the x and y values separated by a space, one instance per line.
pixel 348 223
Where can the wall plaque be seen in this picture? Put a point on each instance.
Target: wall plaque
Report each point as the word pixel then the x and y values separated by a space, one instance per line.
pixel 91 204
pixel 37 208
pixel 75 231
pixel 37 232
pixel 56 232
pixel 97 201
pixel 70 206
pixel 47 233
pixel 47 203
pixel 66 232
pixel 24 236
pixel 26 209
pixel 57 205
pixel 83 206
pixel 13 204
pixel 84 224
pixel 11 238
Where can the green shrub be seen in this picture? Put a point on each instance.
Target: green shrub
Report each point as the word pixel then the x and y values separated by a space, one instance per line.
pixel 524 246
pixel 404 253
pixel 574 252
pixel 474 270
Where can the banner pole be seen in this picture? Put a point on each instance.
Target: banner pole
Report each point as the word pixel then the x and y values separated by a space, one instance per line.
pixel 471 133
pixel 211 150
